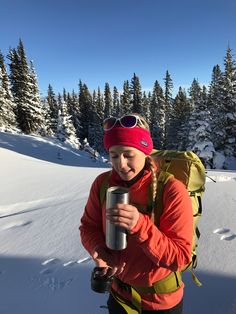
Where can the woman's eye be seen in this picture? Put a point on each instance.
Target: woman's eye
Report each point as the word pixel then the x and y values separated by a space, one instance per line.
pixel 129 156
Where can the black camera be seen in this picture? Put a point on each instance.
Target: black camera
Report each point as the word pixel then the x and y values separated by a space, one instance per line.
pixel 100 283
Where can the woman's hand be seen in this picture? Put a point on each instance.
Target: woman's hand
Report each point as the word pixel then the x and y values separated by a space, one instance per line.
pixel 104 258
pixel 123 215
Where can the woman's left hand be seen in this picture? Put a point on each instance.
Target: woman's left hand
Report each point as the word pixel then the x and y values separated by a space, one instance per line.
pixel 123 215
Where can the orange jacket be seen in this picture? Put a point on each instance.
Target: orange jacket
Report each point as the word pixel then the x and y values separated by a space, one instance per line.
pixel 152 253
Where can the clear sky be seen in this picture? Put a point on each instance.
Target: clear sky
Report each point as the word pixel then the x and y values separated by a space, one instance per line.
pixel 101 41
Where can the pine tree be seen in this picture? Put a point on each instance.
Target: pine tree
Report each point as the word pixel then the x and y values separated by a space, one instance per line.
pixel 116 103
pixel 168 107
pixel 2 103
pixel 136 95
pixel 146 100
pixel 178 121
pixel 216 108
pixel 200 127
pixel 108 101
pixel 100 105
pixel 74 110
pixel 92 123
pixel 125 100
pixel 35 101
pixel 64 95
pixel 7 106
pixel 34 85
pixel 95 137
pixel 23 82
pixel 230 103
pixel 51 112
pixel 65 130
pixel 99 117
pixel 85 101
pixel 14 74
pixel 157 116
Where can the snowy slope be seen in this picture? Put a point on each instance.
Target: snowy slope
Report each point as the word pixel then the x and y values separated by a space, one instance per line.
pixel 43 267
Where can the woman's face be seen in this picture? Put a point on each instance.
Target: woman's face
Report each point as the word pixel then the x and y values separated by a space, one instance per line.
pixel 127 161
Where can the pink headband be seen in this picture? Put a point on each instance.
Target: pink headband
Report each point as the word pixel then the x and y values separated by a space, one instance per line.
pixel 134 137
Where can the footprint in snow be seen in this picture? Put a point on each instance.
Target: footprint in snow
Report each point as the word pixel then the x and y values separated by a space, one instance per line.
pixel 57 284
pixel 16 224
pixel 84 260
pixel 225 233
pixel 49 262
pixel 46 271
pixel 50 283
pixel 228 237
pixel 70 263
pixel 221 230
pixel 80 261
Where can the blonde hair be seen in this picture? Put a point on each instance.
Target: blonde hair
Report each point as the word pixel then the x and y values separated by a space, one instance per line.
pixel 143 124
pixel 151 164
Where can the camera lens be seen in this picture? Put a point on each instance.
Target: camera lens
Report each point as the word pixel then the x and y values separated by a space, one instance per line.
pixel 100 283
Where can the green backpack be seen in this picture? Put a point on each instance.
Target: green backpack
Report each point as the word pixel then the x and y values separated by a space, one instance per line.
pixel 187 167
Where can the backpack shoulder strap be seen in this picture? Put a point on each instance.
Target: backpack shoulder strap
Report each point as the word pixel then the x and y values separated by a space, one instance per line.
pixel 103 188
pixel 162 179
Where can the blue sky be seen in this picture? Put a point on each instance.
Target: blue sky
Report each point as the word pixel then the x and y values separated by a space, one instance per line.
pixel 101 41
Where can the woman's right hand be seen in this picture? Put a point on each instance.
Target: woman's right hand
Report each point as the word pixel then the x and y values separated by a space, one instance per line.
pixel 104 258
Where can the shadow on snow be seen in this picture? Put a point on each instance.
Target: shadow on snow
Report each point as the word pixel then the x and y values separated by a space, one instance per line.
pixel 33 285
pixel 50 151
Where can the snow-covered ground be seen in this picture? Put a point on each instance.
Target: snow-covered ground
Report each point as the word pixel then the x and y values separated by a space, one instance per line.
pixel 43 267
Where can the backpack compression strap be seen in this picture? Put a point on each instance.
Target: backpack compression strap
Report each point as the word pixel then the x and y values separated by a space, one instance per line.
pixel 157 209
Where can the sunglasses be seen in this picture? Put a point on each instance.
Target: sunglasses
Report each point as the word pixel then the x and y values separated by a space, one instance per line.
pixel 127 121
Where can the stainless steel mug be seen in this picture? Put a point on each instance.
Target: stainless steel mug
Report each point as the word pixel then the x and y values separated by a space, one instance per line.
pixel 116 236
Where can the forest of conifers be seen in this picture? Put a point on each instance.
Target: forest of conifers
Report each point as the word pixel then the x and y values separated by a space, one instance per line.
pixel 202 119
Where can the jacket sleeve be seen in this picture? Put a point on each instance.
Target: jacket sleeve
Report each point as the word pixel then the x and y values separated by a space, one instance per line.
pixel 91 227
pixel 170 245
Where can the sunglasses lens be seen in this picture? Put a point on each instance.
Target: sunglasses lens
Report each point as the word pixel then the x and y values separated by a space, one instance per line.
pixel 109 123
pixel 128 121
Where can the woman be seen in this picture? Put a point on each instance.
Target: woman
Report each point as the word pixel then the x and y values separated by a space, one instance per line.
pixel 154 253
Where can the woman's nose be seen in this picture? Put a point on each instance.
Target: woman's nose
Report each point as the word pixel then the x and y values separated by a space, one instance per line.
pixel 122 162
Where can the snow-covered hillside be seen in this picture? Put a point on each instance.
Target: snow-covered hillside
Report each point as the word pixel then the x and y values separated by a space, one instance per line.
pixel 43 267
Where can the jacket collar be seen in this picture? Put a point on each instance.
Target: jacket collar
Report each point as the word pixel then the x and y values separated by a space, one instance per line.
pixel 115 179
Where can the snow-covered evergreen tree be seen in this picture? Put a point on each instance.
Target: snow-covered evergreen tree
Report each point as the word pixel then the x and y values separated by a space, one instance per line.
pixel 95 128
pixel 168 106
pixel 65 129
pixel 230 104
pixel 136 95
pixel 51 112
pixel 107 101
pixel 23 84
pixel 216 108
pixel 7 106
pixel 125 100
pixel 98 121
pixel 35 101
pixel 178 120
pixel 92 122
pixel 116 103
pixel 146 101
pixel 199 139
pixel 85 101
pixel 74 110
pixel 157 116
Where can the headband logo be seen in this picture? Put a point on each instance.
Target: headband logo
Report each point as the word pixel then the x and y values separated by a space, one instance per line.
pixel 144 143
